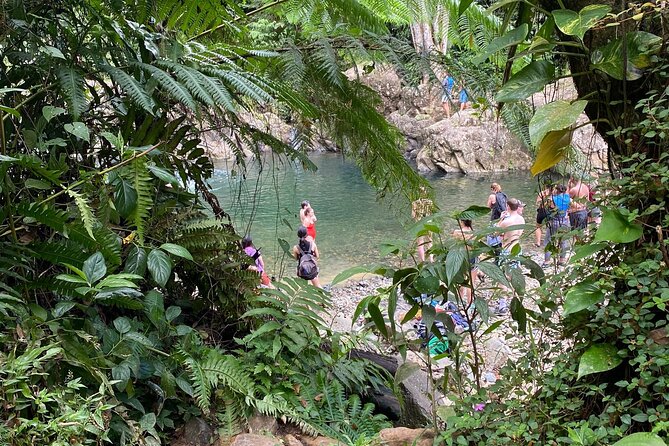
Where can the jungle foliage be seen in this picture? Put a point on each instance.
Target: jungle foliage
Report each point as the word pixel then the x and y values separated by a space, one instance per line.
pixel 125 304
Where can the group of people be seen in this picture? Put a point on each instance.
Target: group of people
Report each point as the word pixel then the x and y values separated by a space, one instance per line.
pixel 448 87
pixel 305 251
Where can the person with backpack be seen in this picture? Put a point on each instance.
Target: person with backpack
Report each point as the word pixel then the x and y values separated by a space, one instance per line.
pixel 259 263
pixel 306 254
pixel 557 220
pixel 496 201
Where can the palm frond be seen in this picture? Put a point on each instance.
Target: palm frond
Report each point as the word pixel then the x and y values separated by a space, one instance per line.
pixel 169 85
pixel 135 91
pixel 142 183
pixel 85 211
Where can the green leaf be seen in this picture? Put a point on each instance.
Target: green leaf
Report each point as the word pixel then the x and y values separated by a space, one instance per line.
pixel 586 251
pixel 456 259
pixel 125 197
pixel 518 314
pixel 39 312
pixel 615 227
pixel 72 85
pixel 511 38
pixel 95 268
pixel 405 370
pixel 62 308
pixel 598 358
pixel 493 327
pixel 122 324
pixel 10 110
pixel 172 313
pixel 557 115
pixel 176 250
pixel 427 284
pixel 472 213
pixel 49 112
pixel 641 46
pixel 581 296
pixel 160 266
pixel 79 130
pixel 640 439
pixel 164 175
pixel 350 272
pixel 494 272
pixel 377 318
pixel 52 51
pixel 136 261
pixel 578 23
pixel 464 4
pixel 531 79
pixel 71 278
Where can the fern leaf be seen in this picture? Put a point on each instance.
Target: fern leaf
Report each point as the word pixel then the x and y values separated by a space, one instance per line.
pixel 132 88
pixel 46 215
pixel 143 185
pixel 170 85
pixel 216 90
pixel 190 79
pixel 72 86
pixel 84 210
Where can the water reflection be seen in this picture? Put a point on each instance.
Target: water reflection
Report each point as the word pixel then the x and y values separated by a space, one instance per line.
pixel 351 223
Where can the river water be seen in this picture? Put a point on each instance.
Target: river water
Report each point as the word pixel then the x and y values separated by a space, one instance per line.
pixel 264 202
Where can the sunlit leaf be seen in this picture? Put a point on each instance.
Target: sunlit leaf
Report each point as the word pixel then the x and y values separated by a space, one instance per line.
pixel 640 439
pixel 641 46
pixel 552 149
pixel 615 227
pixel 582 296
pixel 574 23
pixel 598 358
pixel 513 37
pixel 79 130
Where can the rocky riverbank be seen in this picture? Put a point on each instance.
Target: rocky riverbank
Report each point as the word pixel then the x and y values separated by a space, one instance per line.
pixel 470 141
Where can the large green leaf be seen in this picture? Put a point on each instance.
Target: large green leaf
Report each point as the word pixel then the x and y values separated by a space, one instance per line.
pixel 125 197
pixel 160 266
pixel 615 227
pixel 641 439
pixel 136 261
pixel 586 251
pixel 512 37
pixel 95 268
pixel 377 318
pixel 472 213
pixel 574 23
pixel 598 358
pixel 581 296
pixel 79 130
pixel 176 250
pixel 531 79
pixel 641 46
pixel 455 261
pixel 557 115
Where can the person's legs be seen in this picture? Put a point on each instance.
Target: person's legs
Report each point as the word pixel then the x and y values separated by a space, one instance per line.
pixel 550 232
pixel 420 249
pixel 315 282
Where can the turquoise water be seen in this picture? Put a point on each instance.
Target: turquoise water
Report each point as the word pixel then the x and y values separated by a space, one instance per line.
pixel 351 222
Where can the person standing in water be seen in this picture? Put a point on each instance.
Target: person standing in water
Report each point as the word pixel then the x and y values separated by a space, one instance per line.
pixel 306 254
pixel 308 218
pixel 421 208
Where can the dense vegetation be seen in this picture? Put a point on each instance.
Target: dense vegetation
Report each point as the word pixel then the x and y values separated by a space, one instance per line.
pixel 125 307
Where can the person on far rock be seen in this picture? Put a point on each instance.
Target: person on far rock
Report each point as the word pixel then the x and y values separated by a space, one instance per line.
pixel 447 96
pixel 464 98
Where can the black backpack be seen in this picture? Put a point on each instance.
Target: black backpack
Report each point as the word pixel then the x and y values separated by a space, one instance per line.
pixel 307 268
pixel 499 206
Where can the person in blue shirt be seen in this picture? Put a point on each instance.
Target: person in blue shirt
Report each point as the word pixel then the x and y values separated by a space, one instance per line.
pixel 557 219
pixel 447 96
pixel 464 98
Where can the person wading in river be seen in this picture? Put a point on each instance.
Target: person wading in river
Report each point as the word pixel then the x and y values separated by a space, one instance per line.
pixel 306 254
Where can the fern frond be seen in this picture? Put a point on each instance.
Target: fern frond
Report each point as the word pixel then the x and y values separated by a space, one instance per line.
pixel 143 185
pixel 135 91
pixel 47 215
pixel 71 82
pixel 85 211
pixel 327 62
pixel 190 79
pixel 60 252
pixel 243 83
pixel 169 85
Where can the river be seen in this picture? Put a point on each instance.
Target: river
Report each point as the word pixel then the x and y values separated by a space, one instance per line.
pixel 352 224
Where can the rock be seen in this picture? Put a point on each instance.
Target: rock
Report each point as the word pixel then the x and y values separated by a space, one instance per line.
pixel 262 424
pixel 321 441
pixel 402 436
pixel 255 440
pixel 196 432
pixel 290 440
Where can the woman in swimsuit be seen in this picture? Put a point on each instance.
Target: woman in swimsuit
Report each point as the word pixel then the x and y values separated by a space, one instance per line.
pixel 310 222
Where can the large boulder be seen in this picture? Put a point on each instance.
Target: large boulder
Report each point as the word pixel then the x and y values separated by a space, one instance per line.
pixel 403 436
pixel 255 440
pixel 463 144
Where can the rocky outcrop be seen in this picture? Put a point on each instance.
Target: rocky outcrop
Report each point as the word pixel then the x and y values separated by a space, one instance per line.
pixel 468 142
